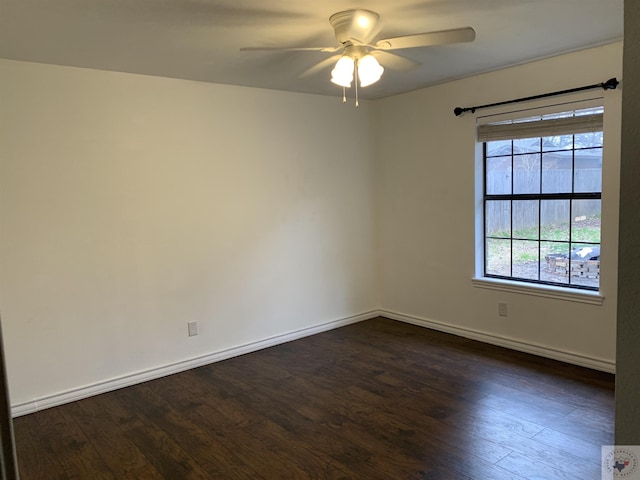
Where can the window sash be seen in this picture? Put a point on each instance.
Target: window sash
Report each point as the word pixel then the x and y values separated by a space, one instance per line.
pixel 511 197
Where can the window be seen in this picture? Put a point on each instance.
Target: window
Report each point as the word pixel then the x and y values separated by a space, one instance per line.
pixel 542 198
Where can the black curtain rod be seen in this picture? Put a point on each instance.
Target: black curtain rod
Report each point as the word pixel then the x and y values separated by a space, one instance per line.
pixel 610 84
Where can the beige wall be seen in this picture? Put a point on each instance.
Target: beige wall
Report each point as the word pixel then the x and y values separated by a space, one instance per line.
pixel 427 207
pixel 130 205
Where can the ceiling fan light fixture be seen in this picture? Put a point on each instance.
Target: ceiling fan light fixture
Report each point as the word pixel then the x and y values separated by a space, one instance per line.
pixel 369 70
pixel 356 31
pixel 342 73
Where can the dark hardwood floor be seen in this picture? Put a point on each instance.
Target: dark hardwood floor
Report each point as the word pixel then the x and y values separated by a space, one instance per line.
pixel 375 400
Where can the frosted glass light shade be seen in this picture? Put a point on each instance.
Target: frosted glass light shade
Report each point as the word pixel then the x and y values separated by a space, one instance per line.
pixel 369 70
pixel 342 73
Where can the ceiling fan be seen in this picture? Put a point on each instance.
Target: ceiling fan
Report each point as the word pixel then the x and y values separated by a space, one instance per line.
pixel 360 57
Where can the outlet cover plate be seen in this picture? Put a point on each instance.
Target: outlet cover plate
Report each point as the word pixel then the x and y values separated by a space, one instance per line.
pixel 193 328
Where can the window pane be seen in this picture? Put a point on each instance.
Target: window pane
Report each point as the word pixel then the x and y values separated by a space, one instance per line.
pixel 498 175
pixel 556 172
pixel 554 219
pixel 526 173
pixel 499 148
pixel 555 257
pixel 585 265
pixel 525 219
pixel 559 142
pixel 588 170
pixel 498 218
pixel 587 140
pixel 585 226
pixel 525 259
pixel 498 257
pixel 526 145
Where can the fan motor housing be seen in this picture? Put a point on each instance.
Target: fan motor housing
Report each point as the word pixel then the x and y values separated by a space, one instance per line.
pixel 354 25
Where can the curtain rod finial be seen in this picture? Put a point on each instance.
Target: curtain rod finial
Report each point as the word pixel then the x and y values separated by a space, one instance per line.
pixel 458 111
pixel 611 84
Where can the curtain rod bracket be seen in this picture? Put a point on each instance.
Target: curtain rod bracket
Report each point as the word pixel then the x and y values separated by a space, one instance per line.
pixel 610 84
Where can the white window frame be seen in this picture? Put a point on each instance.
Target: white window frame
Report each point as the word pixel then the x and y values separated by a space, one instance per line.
pixel 515 286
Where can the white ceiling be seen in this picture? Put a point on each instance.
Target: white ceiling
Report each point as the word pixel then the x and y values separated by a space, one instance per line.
pixel 201 39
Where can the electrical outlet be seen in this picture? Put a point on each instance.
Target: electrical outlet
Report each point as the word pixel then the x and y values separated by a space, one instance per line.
pixel 502 309
pixel 193 328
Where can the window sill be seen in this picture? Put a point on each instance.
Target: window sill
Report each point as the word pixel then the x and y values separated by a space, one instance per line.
pixel 547 291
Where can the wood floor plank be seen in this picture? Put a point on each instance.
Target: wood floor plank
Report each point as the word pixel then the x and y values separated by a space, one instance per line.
pixel 375 400
pixel 360 453
pixel 207 445
pixel 371 415
pixel 534 470
pixel 583 448
pixel 505 368
pixel 158 447
pixel 561 458
pixel 36 457
pixel 299 457
pixel 588 422
pixel 327 422
pixel 121 454
pixel 538 414
pixel 79 456
pixel 70 447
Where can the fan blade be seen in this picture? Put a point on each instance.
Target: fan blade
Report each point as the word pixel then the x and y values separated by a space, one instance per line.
pixel 443 37
pixel 394 61
pixel 326 63
pixel 291 49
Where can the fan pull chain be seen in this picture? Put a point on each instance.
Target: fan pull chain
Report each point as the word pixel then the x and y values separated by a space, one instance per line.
pixel 344 95
pixel 355 74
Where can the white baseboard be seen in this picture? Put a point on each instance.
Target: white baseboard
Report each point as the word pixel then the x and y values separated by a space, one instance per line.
pixel 162 371
pixel 540 350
